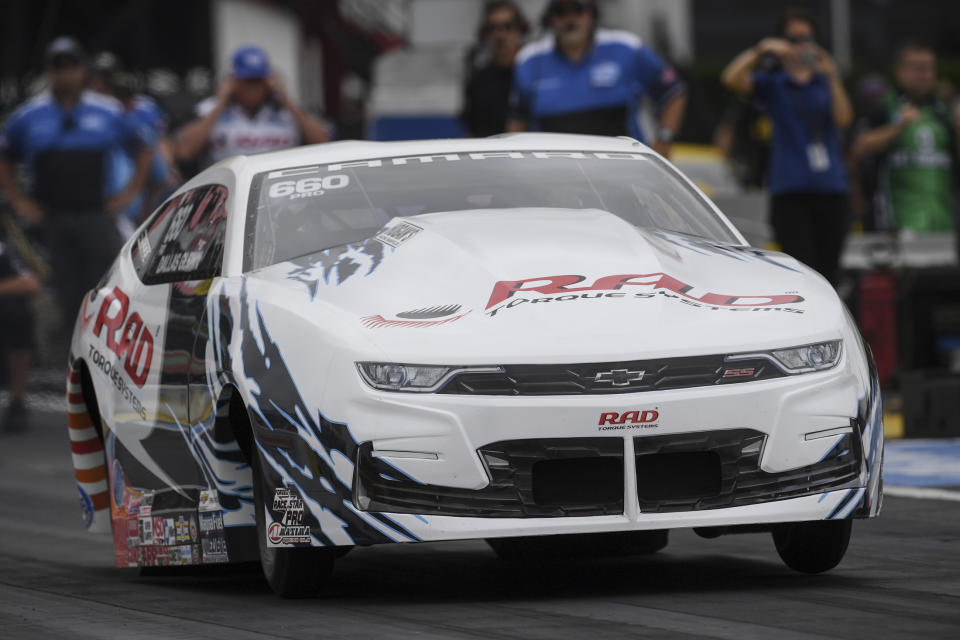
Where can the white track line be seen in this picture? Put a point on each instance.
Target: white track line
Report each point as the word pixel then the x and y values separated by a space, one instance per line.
pixel 923 493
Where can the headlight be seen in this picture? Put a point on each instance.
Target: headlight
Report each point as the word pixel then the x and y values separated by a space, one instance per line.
pixel 811 357
pixel 803 359
pixel 390 376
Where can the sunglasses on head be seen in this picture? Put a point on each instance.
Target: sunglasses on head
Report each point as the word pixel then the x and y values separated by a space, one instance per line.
pixel 799 39
pixel 561 9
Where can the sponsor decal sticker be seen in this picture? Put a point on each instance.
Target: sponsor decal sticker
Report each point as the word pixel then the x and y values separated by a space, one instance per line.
pixel 398 234
pixel 290 529
pixel 126 336
pixel 86 508
pixel 637 419
pixel 417 318
pixel 561 288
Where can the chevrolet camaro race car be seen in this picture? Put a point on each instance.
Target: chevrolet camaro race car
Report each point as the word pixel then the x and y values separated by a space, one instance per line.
pixel 530 339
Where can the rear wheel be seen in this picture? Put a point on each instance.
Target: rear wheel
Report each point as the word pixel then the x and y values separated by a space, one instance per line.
pixel 538 548
pixel 298 572
pixel 812 547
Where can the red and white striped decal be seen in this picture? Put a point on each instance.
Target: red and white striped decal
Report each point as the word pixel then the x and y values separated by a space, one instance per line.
pixel 89 462
pixel 378 321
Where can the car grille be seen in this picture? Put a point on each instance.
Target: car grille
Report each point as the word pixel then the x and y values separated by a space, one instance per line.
pixel 611 377
pixel 559 477
pixel 528 478
pixel 728 464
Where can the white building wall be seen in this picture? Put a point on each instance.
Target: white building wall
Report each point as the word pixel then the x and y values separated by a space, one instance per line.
pixel 237 23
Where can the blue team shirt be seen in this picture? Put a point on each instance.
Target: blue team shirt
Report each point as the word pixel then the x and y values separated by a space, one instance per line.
pixel 143 112
pixel 95 123
pixel 613 76
pixel 801 115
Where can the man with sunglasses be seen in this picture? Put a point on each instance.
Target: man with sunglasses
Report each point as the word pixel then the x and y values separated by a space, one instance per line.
pixel 487 93
pixel 252 112
pixel 67 137
pixel 806 101
pixel 583 79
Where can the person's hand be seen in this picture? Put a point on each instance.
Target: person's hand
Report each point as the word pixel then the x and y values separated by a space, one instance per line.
pixel 29 210
pixel 777 46
pixel 280 91
pixel 30 284
pixel 119 201
pixel 662 147
pixel 906 114
pixel 225 91
pixel 825 63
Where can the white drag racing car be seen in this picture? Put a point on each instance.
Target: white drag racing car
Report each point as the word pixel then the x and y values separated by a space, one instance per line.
pixel 531 337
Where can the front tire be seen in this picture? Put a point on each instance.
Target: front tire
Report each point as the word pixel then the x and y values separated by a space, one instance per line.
pixel 298 572
pixel 812 547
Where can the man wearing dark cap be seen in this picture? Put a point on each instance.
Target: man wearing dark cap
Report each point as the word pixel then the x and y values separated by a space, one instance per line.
pixel 251 112
pixel 583 79
pixel 67 138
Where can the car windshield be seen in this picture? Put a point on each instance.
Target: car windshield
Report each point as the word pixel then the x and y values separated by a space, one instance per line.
pixel 301 210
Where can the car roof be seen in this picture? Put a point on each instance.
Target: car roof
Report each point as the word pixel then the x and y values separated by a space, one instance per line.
pixel 349 150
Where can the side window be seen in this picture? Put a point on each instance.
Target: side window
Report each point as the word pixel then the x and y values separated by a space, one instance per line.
pixel 183 240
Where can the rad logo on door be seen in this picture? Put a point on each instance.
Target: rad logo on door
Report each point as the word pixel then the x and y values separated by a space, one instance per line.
pixel 290 529
pixel 126 335
pixel 639 419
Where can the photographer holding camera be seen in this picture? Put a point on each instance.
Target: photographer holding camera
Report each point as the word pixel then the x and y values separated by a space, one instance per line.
pixel 915 134
pixel 808 105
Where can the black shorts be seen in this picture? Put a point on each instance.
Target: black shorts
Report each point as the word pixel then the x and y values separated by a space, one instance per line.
pixel 812 227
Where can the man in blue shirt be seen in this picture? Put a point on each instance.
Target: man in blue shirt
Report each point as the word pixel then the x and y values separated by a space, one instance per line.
pixel 808 106
pixel 582 79
pixel 66 138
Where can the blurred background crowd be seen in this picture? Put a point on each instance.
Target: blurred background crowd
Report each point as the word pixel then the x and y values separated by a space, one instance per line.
pixel 826 128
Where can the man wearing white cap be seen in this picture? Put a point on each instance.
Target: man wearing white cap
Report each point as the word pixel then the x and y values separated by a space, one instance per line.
pixel 250 113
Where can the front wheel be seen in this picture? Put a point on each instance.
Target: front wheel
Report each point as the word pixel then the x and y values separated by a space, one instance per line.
pixel 298 572
pixel 812 547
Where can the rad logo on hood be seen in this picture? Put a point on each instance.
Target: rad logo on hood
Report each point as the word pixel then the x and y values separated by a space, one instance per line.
pixel 562 286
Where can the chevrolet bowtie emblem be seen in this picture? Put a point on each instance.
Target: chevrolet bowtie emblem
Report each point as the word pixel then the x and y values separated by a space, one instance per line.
pixel 619 377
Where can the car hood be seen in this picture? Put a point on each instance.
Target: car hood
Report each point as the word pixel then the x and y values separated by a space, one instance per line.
pixel 553 286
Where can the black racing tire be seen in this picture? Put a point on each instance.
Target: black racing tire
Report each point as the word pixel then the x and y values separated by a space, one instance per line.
pixel 812 547
pixel 299 572
pixel 540 548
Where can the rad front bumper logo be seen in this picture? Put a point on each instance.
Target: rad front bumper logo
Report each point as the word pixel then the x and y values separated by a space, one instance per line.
pixel 290 529
pixel 639 419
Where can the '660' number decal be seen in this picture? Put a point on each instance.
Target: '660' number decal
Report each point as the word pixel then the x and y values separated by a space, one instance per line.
pixel 308 187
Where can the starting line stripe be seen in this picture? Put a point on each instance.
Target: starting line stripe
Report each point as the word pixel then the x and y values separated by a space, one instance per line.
pixel 923 493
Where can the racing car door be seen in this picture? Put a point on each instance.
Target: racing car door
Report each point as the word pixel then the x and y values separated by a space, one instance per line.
pixel 175 255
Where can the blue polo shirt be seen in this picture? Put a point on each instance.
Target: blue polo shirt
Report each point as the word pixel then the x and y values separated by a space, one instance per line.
pixel 598 95
pixel 802 116
pixel 66 151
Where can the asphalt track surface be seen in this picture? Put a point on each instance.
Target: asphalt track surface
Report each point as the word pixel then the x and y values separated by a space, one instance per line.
pixel 900 578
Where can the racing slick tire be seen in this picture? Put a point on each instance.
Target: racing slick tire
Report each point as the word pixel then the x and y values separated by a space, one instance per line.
pixel 298 572
pixel 539 548
pixel 812 547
